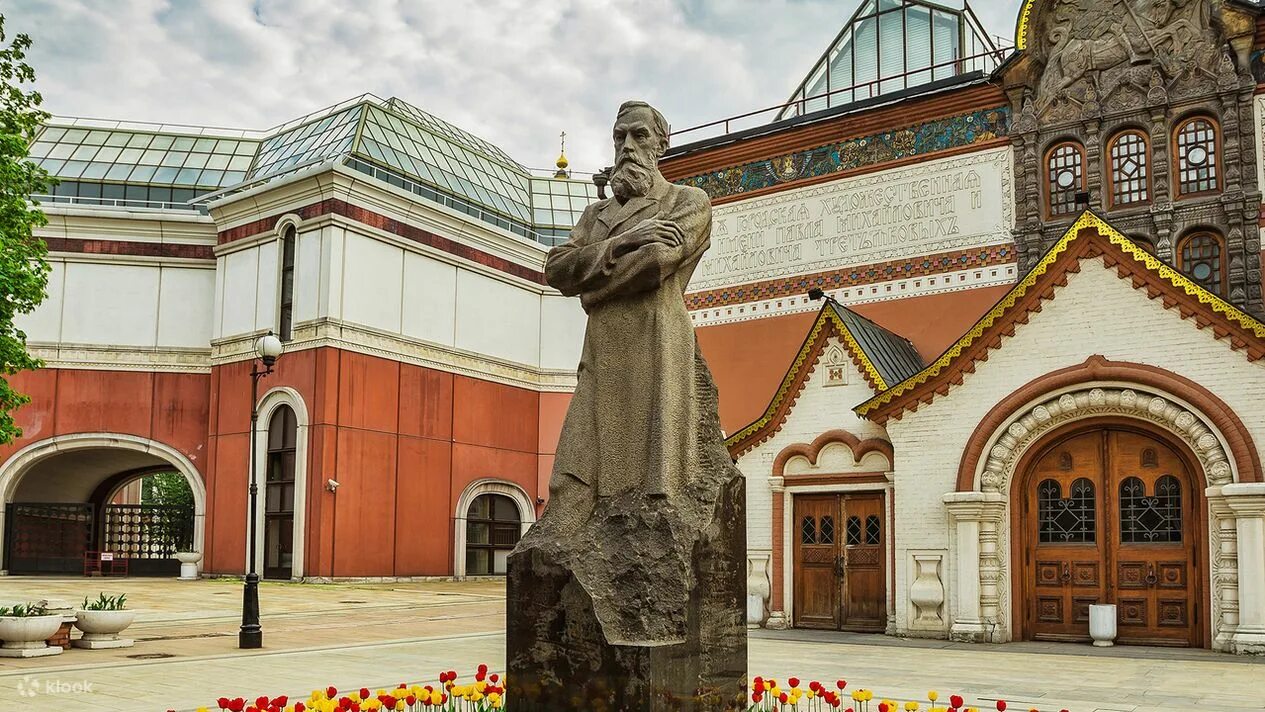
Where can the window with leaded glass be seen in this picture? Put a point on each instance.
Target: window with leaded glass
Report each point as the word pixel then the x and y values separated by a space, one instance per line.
pixel 1065 178
pixel 286 317
pixel 1130 159
pixel 873 530
pixel 1066 520
pixel 1151 519
pixel 854 531
pixel 826 533
pixel 1201 258
pixel 1196 157
pixel 808 531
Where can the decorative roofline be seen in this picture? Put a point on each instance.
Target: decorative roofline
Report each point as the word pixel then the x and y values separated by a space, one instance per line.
pixel 1090 236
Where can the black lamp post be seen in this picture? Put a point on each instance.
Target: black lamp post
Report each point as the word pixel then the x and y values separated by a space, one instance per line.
pixel 267 350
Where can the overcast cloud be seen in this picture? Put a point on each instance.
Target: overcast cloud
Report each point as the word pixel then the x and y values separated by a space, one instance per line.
pixel 516 72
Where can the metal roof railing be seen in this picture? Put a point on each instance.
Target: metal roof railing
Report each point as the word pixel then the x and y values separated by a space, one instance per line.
pixel 862 91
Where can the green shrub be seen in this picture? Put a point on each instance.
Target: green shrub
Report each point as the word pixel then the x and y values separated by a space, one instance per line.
pixel 105 603
pixel 23 610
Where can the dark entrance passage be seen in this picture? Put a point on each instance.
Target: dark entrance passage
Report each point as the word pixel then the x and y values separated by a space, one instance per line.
pixel 54 537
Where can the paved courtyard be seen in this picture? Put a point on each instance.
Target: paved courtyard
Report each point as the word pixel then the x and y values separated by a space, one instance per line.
pixel 375 635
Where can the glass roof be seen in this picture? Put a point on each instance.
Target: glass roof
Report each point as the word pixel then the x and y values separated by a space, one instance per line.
pixel 388 139
pixel 893 45
pixel 135 157
pixel 322 138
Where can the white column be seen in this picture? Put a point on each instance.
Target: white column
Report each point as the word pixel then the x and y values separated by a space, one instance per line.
pixel 969 511
pixel 1247 501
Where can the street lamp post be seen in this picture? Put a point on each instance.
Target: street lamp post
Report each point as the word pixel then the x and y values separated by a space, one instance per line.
pixel 267 350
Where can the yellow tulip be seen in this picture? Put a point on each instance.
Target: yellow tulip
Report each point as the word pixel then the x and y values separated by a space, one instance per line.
pixel 911 706
pixel 933 695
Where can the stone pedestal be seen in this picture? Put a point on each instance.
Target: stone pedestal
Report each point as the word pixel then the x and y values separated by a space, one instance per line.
pixel 648 613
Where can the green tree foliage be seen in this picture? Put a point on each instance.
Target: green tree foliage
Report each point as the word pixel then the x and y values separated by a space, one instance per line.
pixel 168 488
pixel 23 269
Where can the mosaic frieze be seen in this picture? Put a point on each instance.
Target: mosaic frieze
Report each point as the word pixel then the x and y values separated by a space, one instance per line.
pixel 930 137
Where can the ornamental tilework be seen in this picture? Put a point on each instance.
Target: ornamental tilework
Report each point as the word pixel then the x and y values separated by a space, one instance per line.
pixel 930 137
pixel 853 276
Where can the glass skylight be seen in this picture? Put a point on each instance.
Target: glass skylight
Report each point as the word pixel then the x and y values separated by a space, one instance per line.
pixel 892 45
pixel 200 162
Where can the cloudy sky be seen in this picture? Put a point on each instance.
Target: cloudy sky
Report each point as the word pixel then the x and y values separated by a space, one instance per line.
pixel 516 72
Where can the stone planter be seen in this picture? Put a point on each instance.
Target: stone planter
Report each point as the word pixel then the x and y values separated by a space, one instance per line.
pixel 25 637
pixel 188 564
pixel 101 629
pixel 1102 624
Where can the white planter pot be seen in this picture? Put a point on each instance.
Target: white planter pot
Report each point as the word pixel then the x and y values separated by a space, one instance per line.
pixel 101 629
pixel 188 564
pixel 1102 624
pixel 24 637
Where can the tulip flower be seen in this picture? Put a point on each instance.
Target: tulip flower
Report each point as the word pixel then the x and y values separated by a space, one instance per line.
pixel 1001 706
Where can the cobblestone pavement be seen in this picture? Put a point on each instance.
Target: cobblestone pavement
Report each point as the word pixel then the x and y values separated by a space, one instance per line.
pixel 375 635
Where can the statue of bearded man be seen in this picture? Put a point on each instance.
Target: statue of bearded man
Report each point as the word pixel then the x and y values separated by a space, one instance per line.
pixel 633 424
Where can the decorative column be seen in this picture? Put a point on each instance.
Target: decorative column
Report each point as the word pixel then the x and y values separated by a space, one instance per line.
pixel 777 606
pixel 974 515
pixel 1247 501
pixel 1225 570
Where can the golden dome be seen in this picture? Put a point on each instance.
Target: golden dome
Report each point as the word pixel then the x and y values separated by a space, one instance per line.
pixel 562 164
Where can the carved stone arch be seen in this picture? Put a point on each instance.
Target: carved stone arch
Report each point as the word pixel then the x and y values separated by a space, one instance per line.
pixel 1212 416
pixel 286 221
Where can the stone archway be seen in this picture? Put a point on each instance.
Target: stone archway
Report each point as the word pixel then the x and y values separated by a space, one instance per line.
pixel 981 513
pixel 79 445
pixel 268 406
pixel 526 514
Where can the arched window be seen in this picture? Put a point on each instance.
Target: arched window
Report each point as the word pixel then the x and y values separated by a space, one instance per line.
pixel 493 528
pixel 1197 156
pixel 286 315
pixel 1067 521
pixel 1130 169
pixel 1202 258
pixel 1151 520
pixel 1065 178
pixel 283 430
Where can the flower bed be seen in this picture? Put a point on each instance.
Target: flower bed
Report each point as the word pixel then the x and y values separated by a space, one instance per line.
pixel 487 693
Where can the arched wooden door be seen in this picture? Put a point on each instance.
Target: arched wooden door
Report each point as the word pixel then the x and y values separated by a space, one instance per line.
pixel 1109 516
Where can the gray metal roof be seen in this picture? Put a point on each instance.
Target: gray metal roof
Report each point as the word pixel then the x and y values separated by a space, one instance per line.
pixel 894 356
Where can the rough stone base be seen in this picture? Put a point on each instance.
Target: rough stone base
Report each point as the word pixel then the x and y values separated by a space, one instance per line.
pixel 560 659
pixel 36 652
pixel 102 644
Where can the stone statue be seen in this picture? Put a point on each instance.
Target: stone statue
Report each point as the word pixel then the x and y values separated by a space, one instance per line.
pixel 632 583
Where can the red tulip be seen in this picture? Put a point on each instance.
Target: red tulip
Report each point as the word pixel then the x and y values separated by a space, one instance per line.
pixel 955 701
pixel 814 686
pixel 1001 706
pixel 222 702
pixel 841 684
pixel 756 697
pixel 364 693
pixel 299 707
pixel 882 707
pixel 237 705
pixel 494 677
pixel 794 682
pixel 782 698
pixel 331 692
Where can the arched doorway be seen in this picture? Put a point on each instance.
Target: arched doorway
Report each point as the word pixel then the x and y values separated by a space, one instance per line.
pixel 493 528
pixel 1109 512
pixel 490 517
pixel 279 494
pixel 62 499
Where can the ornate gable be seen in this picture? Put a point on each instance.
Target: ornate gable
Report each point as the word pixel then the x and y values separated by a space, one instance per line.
pixel 845 344
pixel 1089 237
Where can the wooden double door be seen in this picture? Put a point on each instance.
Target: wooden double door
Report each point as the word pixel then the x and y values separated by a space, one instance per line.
pixel 840 579
pixel 1110 516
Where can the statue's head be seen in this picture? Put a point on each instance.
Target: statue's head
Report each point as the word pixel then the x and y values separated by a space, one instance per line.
pixel 641 137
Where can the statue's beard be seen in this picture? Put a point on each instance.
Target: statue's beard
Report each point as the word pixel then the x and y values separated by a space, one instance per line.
pixel 631 178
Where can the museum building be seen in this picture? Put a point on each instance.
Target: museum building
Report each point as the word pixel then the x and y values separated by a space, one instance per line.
pixel 1032 378
pixel 985 324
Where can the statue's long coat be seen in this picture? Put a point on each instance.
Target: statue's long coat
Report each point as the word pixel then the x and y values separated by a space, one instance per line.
pixel 632 422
